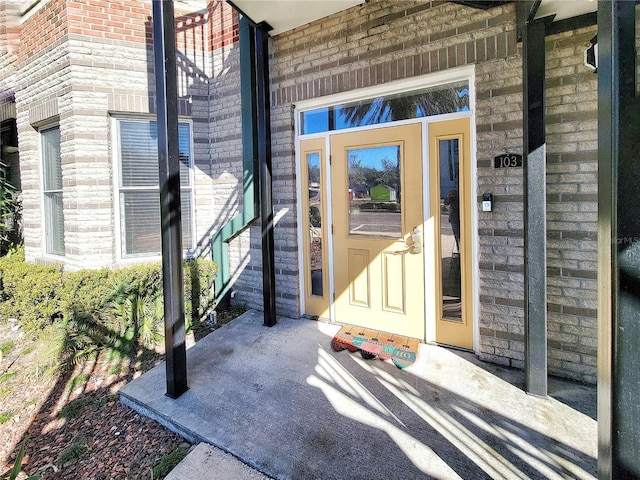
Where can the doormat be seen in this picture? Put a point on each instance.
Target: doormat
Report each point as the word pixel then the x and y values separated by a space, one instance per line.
pixel 374 343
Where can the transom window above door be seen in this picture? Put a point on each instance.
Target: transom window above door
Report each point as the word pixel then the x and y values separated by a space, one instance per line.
pixel 426 102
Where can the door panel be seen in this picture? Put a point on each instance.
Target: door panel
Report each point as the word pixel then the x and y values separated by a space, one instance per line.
pixel 450 187
pixel 376 179
pixel 395 291
pixel 314 232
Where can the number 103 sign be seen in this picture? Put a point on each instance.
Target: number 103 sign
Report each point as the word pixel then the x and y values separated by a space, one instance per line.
pixel 507 160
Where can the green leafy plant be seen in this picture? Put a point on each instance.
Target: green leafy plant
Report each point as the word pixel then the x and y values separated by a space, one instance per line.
pixel 73 452
pixel 6 347
pixel 30 293
pixel 10 213
pixel 137 314
pixel 5 377
pixel 6 416
pixel 78 380
pixel 74 408
pixel 168 462
pixel 80 314
pixel 17 464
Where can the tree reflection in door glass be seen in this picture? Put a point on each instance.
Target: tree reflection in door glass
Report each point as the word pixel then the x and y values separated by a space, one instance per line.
pixel 450 229
pixel 315 222
pixel 375 191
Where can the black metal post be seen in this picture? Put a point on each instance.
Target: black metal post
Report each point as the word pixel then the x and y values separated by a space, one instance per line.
pixel 535 233
pixel 164 47
pixel 264 158
pixel 618 243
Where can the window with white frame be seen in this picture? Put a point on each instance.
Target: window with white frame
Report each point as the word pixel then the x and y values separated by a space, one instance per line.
pixel 52 191
pixel 138 191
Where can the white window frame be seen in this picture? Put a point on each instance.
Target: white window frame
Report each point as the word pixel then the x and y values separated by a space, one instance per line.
pixel 466 73
pixel 120 248
pixel 43 193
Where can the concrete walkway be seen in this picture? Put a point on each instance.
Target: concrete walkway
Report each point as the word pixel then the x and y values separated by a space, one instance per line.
pixel 281 401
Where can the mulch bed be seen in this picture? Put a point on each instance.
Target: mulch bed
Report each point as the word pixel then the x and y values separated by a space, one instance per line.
pixel 74 424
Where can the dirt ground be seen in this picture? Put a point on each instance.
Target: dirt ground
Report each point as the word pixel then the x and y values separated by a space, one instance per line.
pixel 73 422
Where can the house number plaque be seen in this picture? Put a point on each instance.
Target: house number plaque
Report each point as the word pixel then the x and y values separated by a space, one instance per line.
pixel 507 160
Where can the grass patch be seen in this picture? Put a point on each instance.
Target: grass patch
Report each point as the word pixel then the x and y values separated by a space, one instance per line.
pixel 28 350
pixel 7 376
pixel 73 452
pixel 110 397
pixel 6 416
pixel 5 391
pixel 75 407
pixel 117 369
pixel 6 347
pixel 33 401
pixel 78 380
pixel 167 463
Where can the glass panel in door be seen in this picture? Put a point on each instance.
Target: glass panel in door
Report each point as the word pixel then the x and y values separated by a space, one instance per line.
pixel 314 227
pixel 450 185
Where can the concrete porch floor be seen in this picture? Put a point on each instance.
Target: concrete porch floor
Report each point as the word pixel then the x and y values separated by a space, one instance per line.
pixel 283 402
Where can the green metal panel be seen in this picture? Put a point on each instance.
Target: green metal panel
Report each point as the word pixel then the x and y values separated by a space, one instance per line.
pixel 220 241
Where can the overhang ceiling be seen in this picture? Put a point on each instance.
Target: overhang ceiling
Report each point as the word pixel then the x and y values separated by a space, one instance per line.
pixel 563 9
pixel 285 15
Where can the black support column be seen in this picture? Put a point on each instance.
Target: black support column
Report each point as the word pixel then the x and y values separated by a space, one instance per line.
pixel 618 243
pixel 535 204
pixel 164 47
pixel 263 115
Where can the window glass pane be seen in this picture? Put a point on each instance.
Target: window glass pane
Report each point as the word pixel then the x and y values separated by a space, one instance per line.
pixel 140 213
pixel 52 189
pixel 450 229
pixel 54 230
pixel 315 121
pixel 139 195
pixel 374 191
pixel 315 222
pixel 51 156
pixel 438 100
pixel 139 153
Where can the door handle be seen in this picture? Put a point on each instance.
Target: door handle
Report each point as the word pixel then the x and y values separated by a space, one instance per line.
pixel 414 247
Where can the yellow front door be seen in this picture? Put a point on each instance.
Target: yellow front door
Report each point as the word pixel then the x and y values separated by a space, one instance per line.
pixel 450 204
pixel 376 178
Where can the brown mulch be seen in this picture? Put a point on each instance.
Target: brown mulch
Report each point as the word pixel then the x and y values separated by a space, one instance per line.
pixel 73 423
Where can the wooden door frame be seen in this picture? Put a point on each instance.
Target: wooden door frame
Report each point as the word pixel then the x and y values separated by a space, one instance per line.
pixel 449 130
pixel 429 266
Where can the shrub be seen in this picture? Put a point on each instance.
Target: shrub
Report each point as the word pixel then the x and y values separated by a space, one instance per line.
pixel 89 310
pixel 199 275
pixel 30 293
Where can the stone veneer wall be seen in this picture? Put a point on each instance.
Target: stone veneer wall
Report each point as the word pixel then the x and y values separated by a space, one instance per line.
pixel 79 65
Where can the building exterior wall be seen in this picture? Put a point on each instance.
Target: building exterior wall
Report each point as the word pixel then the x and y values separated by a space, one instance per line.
pixel 572 208
pixel 383 41
pixel 97 64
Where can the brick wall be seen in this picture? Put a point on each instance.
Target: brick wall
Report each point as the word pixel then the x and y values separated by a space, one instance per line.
pixel 572 169
pixel 382 41
pixel 500 232
pixel 84 77
pixel 379 42
pixel 100 64
pixel 46 27
pixel 119 20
